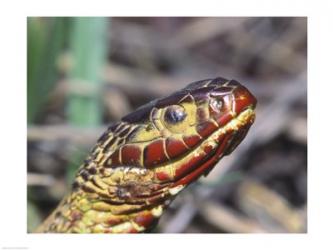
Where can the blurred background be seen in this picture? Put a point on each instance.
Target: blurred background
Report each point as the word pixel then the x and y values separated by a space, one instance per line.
pixel 85 73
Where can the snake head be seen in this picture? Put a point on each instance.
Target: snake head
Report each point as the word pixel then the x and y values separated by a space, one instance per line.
pixel 207 117
pixel 170 142
pixel 141 163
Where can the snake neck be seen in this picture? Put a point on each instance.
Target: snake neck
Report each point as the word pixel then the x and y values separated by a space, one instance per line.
pixel 79 213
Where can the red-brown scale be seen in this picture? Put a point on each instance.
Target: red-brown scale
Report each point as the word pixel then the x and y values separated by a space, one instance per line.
pixel 141 163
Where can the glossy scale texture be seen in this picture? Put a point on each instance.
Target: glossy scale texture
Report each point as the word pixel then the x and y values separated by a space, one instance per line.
pixel 141 163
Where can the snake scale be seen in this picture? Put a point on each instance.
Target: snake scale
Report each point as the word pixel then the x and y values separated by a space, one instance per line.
pixel 140 164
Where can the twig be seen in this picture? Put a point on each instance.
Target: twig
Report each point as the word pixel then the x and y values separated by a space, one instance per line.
pixel 228 220
pixel 40 180
pixel 297 129
pixel 75 135
pixel 269 207
pixel 278 51
pixel 136 83
pixel 203 29
pixel 181 219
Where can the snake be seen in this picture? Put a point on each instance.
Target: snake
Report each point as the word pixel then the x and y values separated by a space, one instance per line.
pixel 141 163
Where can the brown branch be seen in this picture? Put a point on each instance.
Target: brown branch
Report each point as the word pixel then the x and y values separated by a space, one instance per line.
pixel 228 220
pixel 75 135
pixel 269 207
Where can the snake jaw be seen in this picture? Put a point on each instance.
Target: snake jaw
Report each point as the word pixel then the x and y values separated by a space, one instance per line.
pixel 200 160
pixel 201 109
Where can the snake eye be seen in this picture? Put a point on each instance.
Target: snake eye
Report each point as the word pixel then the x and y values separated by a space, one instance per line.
pixel 174 114
pixel 216 104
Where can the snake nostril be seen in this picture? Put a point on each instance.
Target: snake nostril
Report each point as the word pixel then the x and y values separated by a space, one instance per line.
pixel 216 104
pixel 243 99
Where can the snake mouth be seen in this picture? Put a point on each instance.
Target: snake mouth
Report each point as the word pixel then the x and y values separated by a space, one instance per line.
pixel 191 165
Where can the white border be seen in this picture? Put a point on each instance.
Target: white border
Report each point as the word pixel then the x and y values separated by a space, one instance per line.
pixel 13 123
